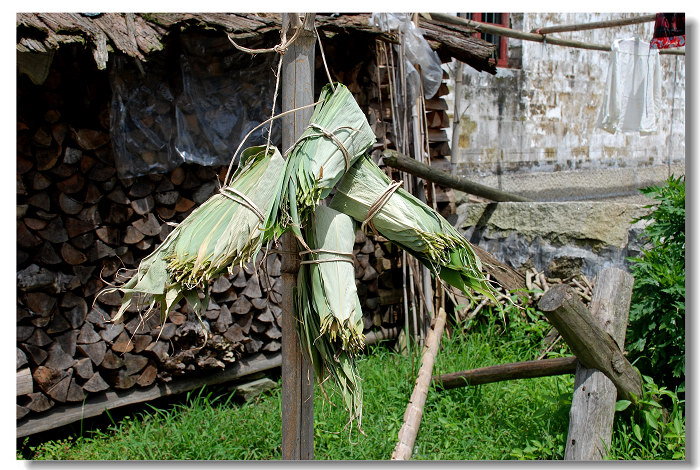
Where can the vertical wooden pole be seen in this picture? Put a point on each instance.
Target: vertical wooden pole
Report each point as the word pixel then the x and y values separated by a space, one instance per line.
pixel 457 113
pixel 593 403
pixel 297 372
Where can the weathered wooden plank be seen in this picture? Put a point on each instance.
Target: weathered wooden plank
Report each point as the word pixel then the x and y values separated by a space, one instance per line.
pixel 60 416
pixel 513 371
pixel 593 403
pixel 590 343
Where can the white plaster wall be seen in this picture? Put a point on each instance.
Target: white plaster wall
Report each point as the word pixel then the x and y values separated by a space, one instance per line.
pixel 541 115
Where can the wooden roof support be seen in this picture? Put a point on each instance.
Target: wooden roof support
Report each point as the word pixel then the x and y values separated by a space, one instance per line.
pixel 595 24
pixel 525 36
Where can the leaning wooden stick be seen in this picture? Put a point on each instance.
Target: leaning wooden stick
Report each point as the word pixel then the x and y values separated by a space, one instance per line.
pixel 593 346
pixel 414 411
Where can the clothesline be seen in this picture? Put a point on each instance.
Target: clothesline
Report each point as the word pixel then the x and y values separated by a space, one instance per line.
pixel 525 36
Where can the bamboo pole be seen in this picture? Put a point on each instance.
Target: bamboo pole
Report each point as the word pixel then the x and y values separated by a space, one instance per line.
pixel 595 24
pixel 396 160
pixel 297 371
pixel 512 33
pixel 414 410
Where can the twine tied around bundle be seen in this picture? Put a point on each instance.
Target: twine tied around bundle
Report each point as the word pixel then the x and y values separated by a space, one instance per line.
pixel 348 257
pixel 243 200
pixel 378 204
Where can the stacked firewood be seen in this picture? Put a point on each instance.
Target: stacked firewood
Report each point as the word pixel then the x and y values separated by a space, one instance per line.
pixel 437 121
pixel 378 279
pixel 81 228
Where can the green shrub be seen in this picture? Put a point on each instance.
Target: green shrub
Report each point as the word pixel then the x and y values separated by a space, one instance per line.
pixel 656 335
pixel 650 433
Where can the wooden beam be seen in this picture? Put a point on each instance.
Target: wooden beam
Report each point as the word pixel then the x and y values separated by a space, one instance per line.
pixel 95 406
pixel 593 347
pixel 595 24
pixel 374 337
pixel 396 160
pixel 593 403
pixel 512 371
pixel 414 411
pixel 512 33
pixel 297 371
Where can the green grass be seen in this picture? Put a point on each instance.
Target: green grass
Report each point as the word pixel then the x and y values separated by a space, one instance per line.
pixel 508 420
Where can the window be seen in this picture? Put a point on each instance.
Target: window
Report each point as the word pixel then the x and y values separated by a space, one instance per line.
pixel 500 54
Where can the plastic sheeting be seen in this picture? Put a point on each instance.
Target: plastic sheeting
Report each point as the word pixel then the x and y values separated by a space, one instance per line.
pixel 195 109
pixel 142 123
pixel 633 90
pixel 418 53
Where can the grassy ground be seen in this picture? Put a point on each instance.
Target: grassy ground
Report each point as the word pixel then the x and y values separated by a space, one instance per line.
pixel 517 419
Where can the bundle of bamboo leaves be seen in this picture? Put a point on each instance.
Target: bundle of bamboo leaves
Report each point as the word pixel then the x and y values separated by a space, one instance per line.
pixel 368 195
pixel 226 230
pixel 327 306
pixel 337 135
pixel 268 196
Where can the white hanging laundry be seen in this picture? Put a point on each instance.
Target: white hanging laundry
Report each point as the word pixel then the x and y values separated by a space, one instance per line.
pixel 633 90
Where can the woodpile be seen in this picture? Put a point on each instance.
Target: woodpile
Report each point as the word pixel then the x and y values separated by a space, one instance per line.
pixel 437 120
pixel 80 228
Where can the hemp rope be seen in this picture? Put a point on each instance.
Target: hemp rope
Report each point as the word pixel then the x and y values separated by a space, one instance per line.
pixel 280 48
pixel 330 135
pixel 230 167
pixel 245 201
pixel 379 204
pixel 350 259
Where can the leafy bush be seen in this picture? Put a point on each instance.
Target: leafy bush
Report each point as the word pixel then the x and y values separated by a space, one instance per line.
pixel 652 433
pixel 656 335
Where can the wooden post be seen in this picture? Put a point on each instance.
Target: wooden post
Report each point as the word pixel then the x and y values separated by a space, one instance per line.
pixel 414 411
pixel 457 113
pixel 593 346
pixel 297 372
pixel 401 162
pixel 593 403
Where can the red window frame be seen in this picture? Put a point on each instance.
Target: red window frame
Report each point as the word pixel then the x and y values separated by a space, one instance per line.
pixel 502 43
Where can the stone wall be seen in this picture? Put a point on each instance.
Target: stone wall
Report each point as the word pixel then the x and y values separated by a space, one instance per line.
pixel 555 236
pixel 538 118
